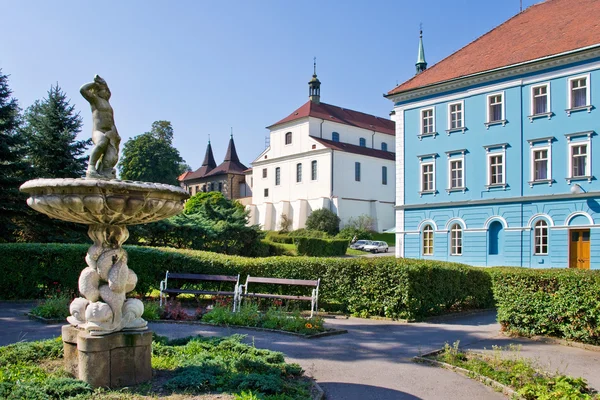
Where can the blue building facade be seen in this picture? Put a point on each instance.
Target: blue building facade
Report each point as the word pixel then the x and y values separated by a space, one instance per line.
pixel 501 168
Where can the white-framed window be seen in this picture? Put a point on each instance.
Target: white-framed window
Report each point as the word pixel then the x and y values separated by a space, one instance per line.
pixel 428 121
pixel 264 173
pixel 428 177
pixel 456 116
pixel 428 240
pixel 495 108
pixel 299 173
pixel 456 173
pixel 540 234
pixel 578 91
pixel 579 164
pixel 541 167
pixel 496 171
pixel 313 170
pixel 540 99
pixel 277 176
pixel 456 240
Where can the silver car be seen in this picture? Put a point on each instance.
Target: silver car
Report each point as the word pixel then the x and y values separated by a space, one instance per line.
pixel 376 247
pixel 360 244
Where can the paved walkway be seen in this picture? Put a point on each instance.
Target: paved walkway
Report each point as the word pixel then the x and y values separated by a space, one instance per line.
pixel 372 361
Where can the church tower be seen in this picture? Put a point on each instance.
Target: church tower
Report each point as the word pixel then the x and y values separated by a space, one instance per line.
pixel 314 86
pixel 421 64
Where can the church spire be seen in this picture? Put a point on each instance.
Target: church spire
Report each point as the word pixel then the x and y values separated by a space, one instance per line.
pixel 231 154
pixel 209 159
pixel 421 64
pixel 314 86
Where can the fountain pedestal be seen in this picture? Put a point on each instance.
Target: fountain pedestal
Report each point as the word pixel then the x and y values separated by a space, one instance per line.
pixel 115 360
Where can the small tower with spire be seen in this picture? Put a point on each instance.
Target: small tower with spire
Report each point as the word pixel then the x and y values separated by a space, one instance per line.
pixel 421 64
pixel 314 86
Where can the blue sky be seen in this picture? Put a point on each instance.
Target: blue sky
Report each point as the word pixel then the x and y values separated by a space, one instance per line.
pixel 207 66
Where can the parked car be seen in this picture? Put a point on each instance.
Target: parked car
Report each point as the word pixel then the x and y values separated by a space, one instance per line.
pixel 376 247
pixel 360 244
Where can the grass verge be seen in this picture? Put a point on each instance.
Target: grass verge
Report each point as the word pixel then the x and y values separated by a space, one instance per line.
pixel 506 366
pixel 183 369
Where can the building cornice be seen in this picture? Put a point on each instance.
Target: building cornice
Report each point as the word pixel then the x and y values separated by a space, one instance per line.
pixel 509 71
pixel 555 197
pixel 290 157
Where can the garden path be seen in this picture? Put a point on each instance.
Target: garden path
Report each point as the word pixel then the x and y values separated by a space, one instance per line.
pixel 371 361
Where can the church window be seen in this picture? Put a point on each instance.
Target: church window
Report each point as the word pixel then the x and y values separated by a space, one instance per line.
pixel 384 175
pixel 264 173
pixel 288 138
pixel 266 192
pixel 277 176
pixel 362 142
pixel 298 173
pixel 357 171
pixel 313 170
pixel 335 137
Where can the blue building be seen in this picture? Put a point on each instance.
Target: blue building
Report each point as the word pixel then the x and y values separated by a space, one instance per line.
pixel 497 146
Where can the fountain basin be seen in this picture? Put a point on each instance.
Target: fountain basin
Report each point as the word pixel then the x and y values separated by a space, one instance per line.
pixel 104 202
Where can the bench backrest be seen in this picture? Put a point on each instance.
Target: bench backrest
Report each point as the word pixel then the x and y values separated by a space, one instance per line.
pixel 281 281
pixel 204 277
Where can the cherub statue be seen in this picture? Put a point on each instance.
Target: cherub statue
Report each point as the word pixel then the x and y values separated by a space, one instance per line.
pixel 105 153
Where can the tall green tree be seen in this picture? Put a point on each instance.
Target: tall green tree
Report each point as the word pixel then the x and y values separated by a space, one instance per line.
pixel 12 168
pixel 51 128
pixel 151 157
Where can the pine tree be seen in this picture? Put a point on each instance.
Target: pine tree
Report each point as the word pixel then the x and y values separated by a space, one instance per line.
pixel 51 128
pixel 12 202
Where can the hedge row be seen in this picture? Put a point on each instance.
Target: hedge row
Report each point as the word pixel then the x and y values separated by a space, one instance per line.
pixel 556 302
pixel 280 238
pixel 384 286
pixel 321 247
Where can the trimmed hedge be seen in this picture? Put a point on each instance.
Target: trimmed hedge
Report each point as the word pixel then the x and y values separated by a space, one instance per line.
pixel 384 286
pixel 554 302
pixel 280 238
pixel 321 247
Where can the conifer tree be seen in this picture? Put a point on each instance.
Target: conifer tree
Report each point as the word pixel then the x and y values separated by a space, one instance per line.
pixel 12 168
pixel 51 128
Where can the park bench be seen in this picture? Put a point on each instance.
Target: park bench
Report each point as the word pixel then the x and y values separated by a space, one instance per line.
pixel 313 298
pixel 181 279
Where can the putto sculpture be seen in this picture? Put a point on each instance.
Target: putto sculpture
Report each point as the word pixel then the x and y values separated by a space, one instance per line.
pixel 107 205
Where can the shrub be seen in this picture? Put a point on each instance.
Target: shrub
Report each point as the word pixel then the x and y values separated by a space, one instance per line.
pixel 54 307
pixel 362 223
pixel 555 302
pixel 321 247
pixel 351 233
pixel 323 220
pixel 280 238
pixel 303 232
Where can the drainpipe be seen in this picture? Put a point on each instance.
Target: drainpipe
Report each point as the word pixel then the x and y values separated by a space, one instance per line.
pixel 373 140
pixel 321 129
pixel 522 181
pixel 331 190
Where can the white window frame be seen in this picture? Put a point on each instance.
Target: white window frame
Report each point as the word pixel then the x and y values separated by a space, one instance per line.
pixel 489 168
pixel 535 236
pixel 588 98
pixel 454 249
pixel 421 126
pixel 487 109
pixel 423 247
pixel 548 113
pixel 462 108
pixel 532 151
pixel 423 164
pixel 588 164
pixel 450 161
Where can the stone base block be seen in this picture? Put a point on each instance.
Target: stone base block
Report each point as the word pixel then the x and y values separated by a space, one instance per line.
pixel 115 360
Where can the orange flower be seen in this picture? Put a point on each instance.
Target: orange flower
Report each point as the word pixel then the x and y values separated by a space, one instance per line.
pixel 308 325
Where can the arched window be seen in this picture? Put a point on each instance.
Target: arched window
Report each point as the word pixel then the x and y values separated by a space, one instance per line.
pixel 495 238
pixel 384 146
pixel 288 138
pixel 456 240
pixel 428 240
pixel 540 232
pixel 335 136
pixel 362 142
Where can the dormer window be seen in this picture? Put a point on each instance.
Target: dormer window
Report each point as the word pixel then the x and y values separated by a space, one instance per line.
pixel 288 138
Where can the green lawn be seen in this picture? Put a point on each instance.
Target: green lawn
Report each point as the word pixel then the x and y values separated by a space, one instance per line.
pixel 389 238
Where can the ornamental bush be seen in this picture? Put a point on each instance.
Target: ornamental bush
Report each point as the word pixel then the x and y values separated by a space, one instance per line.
pixel 321 247
pixel 554 302
pixel 384 286
pixel 324 220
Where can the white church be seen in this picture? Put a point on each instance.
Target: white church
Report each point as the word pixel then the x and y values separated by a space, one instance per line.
pixel 325 156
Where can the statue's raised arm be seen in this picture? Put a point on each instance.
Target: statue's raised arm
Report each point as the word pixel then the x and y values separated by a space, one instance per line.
pixel 105 153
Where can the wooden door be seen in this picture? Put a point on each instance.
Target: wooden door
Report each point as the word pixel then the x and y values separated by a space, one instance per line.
pixel 579 249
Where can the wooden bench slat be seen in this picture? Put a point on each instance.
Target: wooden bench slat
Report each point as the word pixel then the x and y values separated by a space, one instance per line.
pixel 279 281
pixel 277 296
pixel 202 277
pixel 191 291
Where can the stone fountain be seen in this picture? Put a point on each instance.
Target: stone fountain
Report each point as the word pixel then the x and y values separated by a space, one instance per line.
pixel 107 343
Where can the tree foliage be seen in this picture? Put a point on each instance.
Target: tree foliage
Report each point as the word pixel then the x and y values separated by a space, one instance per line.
pixel 51 128
pixel 323 220
pixel 151 157
pixel 209 222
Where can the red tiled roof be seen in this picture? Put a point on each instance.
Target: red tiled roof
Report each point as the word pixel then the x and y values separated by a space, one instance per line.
pixel 542 30
pixel 352 148
pixel 341 115
pixel 183 176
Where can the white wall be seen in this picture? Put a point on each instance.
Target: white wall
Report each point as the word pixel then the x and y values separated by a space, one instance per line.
pixel 350 134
